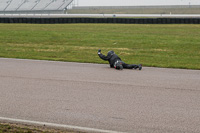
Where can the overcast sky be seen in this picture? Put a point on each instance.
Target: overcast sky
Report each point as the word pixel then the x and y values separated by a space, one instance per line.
pixel 135 2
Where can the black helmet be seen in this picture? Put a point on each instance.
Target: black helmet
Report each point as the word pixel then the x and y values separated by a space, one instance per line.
pixel 118 65
pixel 110 53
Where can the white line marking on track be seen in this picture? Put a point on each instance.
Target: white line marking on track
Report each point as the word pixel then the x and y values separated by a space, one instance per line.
pixel 60 126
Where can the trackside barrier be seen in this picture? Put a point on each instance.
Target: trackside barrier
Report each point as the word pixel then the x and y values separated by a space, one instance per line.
pixel 102 20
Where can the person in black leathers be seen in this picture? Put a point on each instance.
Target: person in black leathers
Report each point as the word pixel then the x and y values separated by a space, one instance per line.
pixel 115 61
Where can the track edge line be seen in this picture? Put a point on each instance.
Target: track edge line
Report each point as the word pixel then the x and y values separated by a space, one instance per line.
pixel 54 125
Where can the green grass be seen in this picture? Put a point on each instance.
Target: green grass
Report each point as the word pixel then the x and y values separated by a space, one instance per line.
pixel 171 46
pixel 19 128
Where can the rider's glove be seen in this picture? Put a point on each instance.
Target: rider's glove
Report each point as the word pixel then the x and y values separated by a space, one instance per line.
pixel 99 51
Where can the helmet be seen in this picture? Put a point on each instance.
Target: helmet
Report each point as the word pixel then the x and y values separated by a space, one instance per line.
pixel 110 53
pixel 118 65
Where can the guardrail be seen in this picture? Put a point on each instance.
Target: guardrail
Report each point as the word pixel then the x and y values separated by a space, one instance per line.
pixel 101 20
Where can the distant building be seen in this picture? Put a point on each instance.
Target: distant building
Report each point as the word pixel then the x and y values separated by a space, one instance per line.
pixel 34 6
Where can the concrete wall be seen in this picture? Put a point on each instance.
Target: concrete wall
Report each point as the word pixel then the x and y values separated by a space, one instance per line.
pixel 34 12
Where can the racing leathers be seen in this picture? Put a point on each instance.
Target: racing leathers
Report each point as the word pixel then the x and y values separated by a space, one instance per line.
pixel 115 61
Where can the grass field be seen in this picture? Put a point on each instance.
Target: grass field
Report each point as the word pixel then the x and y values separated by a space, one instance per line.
pixel 19 128
pixel 171 46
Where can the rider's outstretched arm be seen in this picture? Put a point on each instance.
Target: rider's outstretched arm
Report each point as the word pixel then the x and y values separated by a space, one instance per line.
pixel 103 57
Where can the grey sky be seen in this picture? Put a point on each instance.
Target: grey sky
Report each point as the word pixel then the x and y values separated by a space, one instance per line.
pixel 135 2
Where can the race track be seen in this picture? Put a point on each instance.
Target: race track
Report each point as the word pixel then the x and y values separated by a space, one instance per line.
pixel 99 15
pixel 94 96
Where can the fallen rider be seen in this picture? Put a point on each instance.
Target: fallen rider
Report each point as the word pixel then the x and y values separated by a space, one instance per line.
pixel 116 62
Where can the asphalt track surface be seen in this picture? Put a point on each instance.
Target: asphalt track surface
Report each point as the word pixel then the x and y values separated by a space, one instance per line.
pixel 94 96
pixel 99 15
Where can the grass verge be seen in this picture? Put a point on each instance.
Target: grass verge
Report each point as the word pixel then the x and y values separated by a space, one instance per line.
pixel 170 46
pixel 19 128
